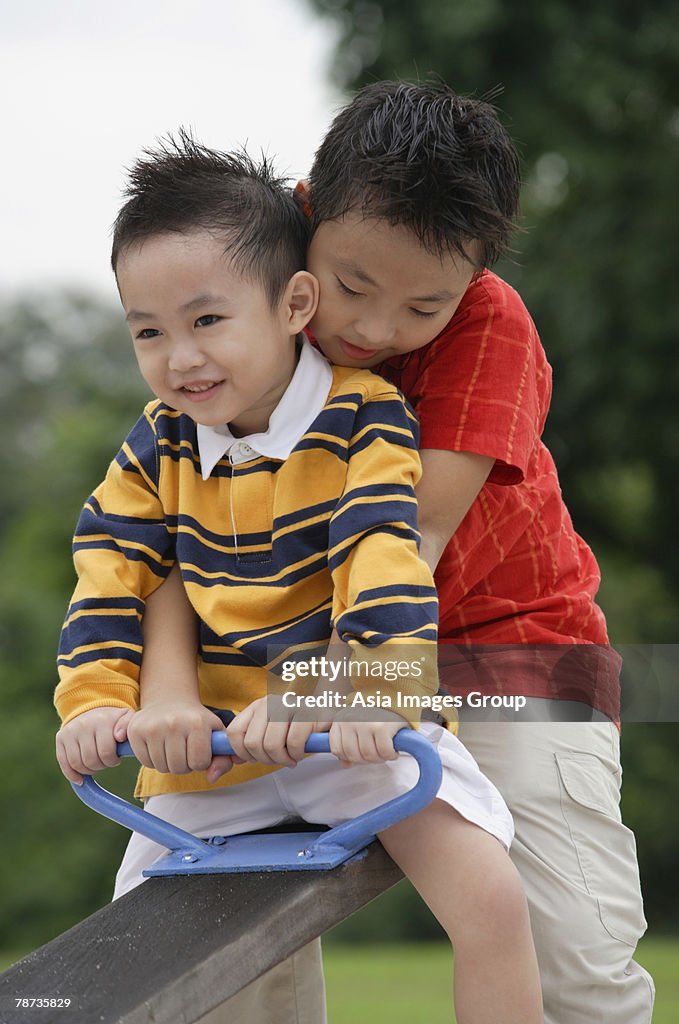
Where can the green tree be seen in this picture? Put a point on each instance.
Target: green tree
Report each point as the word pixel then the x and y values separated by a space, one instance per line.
pixel 70 392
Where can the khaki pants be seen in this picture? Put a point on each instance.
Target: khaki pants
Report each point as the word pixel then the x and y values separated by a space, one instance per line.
pixel 578 862
pixel 292 993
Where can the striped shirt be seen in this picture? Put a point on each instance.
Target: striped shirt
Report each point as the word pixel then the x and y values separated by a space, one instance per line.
pixel 272 552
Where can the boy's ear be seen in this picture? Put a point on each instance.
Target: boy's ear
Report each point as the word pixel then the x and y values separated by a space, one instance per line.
pixel 302 196
pixel 300 300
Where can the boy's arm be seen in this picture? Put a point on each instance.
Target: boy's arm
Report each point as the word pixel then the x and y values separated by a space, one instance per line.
pixel 170 631
pixel 450 483
pixel 122 552
pixel 172 730
pixel 449 486
pixel 383 590
pixel 482 391
pixel 384 603
pixel 120 549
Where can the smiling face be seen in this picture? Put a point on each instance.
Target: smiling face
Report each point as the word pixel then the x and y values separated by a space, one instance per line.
pixel 382 293
pixel 207 341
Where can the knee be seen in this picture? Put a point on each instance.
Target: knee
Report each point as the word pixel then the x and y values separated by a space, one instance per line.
pixel 504 902
pixel 509 905
pixel 495 911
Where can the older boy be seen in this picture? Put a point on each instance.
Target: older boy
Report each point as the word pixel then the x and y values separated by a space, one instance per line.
pixel 283 489
pixel 412 197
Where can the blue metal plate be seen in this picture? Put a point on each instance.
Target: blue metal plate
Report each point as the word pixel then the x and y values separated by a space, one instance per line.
pixel 284 851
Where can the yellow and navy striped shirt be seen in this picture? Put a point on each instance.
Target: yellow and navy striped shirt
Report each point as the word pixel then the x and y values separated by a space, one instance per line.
pixel 271 553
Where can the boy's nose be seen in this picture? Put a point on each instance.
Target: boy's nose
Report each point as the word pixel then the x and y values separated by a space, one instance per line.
pixel 184 356
pixel 374 331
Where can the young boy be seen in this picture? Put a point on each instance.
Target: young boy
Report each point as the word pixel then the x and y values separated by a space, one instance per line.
pixel 412 197
pixel 284 491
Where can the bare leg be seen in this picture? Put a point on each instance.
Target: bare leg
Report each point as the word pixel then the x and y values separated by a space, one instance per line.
pixel 471 886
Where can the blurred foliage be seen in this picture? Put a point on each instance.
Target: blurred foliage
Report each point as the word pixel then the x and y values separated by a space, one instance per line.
pixel 70 390
pixel 650 797
pixel 592 98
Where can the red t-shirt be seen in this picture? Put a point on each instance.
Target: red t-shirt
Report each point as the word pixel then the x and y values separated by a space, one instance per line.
pixel 515 572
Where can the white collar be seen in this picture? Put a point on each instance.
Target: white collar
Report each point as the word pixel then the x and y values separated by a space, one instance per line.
pixel 301 403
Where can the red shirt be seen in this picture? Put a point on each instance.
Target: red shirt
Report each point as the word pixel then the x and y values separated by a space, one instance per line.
pixel 515 572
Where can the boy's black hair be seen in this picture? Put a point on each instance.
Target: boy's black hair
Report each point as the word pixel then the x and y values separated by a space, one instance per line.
pixel 183 186
pixel 423 157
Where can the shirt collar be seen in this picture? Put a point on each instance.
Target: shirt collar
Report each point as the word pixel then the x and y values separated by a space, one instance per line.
pixel 301 403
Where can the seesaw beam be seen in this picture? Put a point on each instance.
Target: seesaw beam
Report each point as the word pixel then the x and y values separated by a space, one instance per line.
pixel 175 948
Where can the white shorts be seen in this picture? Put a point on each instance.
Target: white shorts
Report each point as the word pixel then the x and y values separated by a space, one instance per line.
pixel 319 790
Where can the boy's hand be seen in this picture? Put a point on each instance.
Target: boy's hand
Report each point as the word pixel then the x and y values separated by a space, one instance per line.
pixel 268 732
pixel 88 743
pixel 175 736
pixel 354 739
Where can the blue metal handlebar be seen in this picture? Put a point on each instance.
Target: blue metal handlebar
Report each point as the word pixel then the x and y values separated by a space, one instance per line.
pixel 190 854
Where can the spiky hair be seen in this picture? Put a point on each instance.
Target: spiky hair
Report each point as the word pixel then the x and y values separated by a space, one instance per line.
pixel 181 186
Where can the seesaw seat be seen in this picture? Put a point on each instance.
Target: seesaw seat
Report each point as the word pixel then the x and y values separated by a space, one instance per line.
pixel 279 851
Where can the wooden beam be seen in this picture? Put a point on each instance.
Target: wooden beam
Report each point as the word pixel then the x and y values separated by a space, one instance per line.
pixel 175 948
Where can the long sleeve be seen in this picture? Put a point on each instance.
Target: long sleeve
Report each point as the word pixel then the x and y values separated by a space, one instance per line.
pixel 122 552
pixel 384 595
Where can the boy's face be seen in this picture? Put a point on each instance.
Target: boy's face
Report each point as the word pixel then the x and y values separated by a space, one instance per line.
pixel 382 293
pixel 206 339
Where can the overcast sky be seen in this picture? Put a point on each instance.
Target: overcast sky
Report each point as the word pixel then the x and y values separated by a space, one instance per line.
pixel 87 84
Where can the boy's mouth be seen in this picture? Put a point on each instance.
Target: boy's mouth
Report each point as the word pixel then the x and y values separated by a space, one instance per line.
pixel 355 352
pixel 199 391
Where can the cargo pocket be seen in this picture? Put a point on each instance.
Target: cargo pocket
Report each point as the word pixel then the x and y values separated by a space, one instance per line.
pixel 606 849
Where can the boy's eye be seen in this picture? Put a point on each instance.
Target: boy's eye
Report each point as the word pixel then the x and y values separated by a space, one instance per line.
pixel 345 288
pixel 148 332
pixel 421 312
pixel 207 320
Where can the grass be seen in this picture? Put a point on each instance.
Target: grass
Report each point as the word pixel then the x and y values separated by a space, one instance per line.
pixel 401 983
pixel 389 984
pixel 660 957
